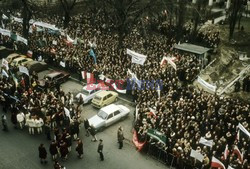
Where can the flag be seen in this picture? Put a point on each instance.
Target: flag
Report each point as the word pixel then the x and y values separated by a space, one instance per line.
pixel 196 155
pixel 139 145
pixel 242 128
pixel 92 53
pixel 226 152
pixel 4 73
pixel 206 142
pixel 62 64
pixel 239 154
pixel 23 69
pixel 137 57
pixel 29 53
pixel 5 64
pixel 84 74
pixel 217 163
pixel 90 78
pixel 152 112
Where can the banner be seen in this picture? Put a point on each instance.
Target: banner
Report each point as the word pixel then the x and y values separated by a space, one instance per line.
pixel 118 90
pixel 46 25
pixel 4 16
pixel 134 78
pixel 5 32
pixel 157 135
pixel 67 112
pixel 139 145
pixel 205 84
pixel 21 39
pixel 217 163
pixel 24 70
pixel 5 64
pixel 242 128
pixel 196 155
pixel 4 73
pixel 206 142
pixel 136 57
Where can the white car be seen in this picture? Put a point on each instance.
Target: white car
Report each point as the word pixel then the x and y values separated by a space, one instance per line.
pixel 108 115
pixel 89 91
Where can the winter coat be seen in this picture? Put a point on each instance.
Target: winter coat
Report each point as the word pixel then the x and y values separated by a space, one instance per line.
pixel 53 148
pixel 79 148
pixel 39 122
pixel 42 152
pixel 63 149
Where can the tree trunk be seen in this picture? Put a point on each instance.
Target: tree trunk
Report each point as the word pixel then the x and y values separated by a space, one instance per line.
pixel 26 19
pixel 233 16
pixel 66 19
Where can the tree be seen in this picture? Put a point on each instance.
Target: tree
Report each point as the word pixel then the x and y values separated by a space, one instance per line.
pixel 233 16
pixel 199 12
pixel 68 6
pixel 126 13
pixel 26 15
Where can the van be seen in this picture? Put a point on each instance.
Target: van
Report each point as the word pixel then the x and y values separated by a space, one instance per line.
pixel 104 98
pixel 20 61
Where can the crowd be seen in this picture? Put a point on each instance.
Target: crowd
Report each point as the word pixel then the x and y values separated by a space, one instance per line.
pixel 183 113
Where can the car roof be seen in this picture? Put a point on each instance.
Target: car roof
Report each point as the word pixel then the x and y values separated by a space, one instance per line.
pixel 103 93
pixel 53 74
pixel 12 55
pixel 90 88
pixel 110 108
pixel 19 58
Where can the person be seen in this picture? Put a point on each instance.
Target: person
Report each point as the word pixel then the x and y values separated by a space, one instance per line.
pixel 4 122
pixel 86 126
pixel 68 140
pixel 79 148
pixel 64 150
pixel 30 122
pixel 93 133
pixel 120 137
pixel 100 150
pixel 47 129
pixel 42 154
pixel 20 118
pixel 53 149
pixel 14 118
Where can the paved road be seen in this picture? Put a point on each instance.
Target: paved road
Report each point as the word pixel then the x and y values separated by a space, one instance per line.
pixel 18 149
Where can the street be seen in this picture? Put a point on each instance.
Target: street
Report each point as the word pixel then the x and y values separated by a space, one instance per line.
pixel 19 150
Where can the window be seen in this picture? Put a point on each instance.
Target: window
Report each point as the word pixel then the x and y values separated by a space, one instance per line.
pixel 110 116
pixel 109 96
pixel 116 112
pixel 105 98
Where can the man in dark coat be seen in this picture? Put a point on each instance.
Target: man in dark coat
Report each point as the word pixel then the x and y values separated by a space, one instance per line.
pixel 93 133
pixel 100 150
pixel 4 122
pixel 120 137
pixel 42 154
pixel 86 126
pixel 53 149
pixel 64 150
pixel 79 148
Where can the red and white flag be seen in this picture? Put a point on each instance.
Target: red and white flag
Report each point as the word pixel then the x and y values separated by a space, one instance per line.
pixel 217 163
pixel 90 78
pixel 139 145
pixel 237 151
pixel 226 152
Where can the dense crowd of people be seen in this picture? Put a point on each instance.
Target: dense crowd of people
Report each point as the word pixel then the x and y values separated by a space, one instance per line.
pixel 183 113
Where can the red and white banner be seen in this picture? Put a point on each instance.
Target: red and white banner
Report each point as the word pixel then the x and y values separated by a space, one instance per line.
pixel 239 154
pixel 217 163
pixel 139 145
pixel 90 78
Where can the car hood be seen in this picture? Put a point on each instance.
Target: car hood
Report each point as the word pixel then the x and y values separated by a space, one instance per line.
pixel 96 121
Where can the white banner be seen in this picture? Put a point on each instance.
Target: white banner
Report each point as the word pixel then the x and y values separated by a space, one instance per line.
pixel 5 64
pixel 196 155
pixel 242 128
pixel 21 39
pixel 5 32
pixel 205 84
pixel 67 112
pixel 46 25
pixel 206 142
pixel 24 70
pixel 136 57
pixel 118 90
pixel 4 73
pixel 134 78
pixel 4 16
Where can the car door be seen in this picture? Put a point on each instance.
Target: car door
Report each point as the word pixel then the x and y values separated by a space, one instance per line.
pixel 110 119
pixel 109 98
pixel 117 115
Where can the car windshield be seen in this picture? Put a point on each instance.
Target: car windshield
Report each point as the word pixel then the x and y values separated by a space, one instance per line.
pixel 98 98
pixel 85 92
pixel 102 114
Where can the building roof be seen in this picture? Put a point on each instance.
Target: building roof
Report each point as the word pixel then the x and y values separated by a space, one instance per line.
pixel 192 48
